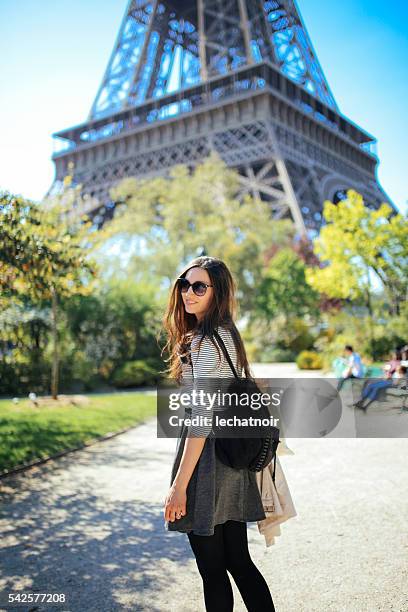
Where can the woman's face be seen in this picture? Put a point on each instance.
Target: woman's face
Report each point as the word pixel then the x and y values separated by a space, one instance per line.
pixel 197 304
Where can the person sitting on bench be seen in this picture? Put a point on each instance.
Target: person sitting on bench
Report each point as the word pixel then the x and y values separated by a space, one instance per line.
pixel 354 368
pixel 372 389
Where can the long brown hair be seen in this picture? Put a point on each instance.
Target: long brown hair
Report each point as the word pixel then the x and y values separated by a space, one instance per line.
pixel 181 325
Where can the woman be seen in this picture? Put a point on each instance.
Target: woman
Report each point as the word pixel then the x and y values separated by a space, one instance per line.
pixel 208 500
pixel 394 363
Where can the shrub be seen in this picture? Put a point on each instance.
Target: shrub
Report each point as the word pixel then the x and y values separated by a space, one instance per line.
pixel 276 355
pixel 19 377
pixel 135 373
pixel 309 360
pixel 381 347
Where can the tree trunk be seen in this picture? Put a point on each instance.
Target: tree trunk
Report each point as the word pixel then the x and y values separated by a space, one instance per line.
pixel 55 364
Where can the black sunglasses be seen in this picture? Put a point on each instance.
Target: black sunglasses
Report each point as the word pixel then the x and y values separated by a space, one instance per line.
pixel 199 287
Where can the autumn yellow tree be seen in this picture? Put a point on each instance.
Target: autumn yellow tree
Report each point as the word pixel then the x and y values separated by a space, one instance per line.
pixel 357 243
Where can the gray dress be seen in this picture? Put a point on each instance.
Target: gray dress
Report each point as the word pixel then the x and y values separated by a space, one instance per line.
pixel 216 492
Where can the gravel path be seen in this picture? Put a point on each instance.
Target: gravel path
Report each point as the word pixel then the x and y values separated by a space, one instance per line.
pixel 91 525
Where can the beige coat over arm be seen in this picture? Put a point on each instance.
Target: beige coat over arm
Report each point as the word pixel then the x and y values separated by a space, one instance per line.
pixel 276 498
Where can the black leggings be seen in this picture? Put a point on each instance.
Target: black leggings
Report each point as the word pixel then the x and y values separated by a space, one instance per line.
pixel 228 550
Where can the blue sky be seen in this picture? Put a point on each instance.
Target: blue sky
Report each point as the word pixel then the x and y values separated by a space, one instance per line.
pixel 53 55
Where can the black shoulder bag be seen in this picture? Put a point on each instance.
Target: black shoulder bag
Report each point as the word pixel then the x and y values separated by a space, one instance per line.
pixel 252 453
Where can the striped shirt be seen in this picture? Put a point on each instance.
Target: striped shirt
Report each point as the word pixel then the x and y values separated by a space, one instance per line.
pixel 206 364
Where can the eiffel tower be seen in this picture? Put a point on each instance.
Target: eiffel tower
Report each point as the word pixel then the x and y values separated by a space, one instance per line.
pixel 236 76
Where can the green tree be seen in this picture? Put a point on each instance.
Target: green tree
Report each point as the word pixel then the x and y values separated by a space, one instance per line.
pixel 118 323
pixel 45 255
pixel 285 308
pixel 284 290
pixel 173 218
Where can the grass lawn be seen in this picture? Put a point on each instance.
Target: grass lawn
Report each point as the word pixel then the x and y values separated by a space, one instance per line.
pixel 29 432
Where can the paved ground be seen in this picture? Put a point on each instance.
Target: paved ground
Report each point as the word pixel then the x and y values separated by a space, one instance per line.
pixel 91 525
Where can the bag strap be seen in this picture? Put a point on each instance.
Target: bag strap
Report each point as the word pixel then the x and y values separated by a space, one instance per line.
pixel 224 350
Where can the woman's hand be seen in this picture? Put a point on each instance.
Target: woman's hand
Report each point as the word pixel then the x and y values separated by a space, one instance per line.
pixel 175 503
